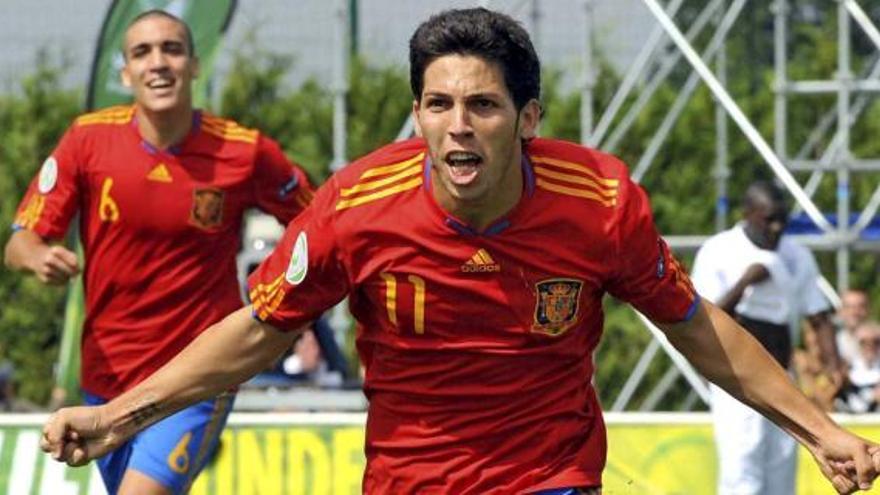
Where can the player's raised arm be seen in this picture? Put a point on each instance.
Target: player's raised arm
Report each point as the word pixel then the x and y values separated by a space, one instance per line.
pixel 223 356
pixel 730 357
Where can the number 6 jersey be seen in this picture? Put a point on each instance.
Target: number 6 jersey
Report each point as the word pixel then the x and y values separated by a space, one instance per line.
pixel 160 230
pixel 477 346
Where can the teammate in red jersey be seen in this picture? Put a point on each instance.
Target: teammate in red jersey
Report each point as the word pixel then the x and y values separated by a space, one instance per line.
pixel 161 189
pixel 475 259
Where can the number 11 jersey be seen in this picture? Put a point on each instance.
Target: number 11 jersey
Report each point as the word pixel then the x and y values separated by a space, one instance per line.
pixel 477 346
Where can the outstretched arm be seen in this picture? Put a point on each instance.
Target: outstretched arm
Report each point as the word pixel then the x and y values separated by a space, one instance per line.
pixel 223 356
pixel 730 357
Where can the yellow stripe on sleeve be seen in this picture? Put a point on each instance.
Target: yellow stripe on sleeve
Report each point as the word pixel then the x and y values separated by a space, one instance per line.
pixel 575 179
pixel 359 200
pixel 571 191
pixel 264 295
pixel 396 167
pixel 112 115
pixel 30 215
pixel 376 184
pixel 576 167
pixel 232 135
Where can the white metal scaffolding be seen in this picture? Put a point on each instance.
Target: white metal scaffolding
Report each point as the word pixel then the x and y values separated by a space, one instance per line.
pixel 853 95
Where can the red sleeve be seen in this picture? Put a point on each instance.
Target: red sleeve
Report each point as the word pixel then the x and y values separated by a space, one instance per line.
pixel 53 195
pixel 304 275
pixel 646 274
pixel 281 188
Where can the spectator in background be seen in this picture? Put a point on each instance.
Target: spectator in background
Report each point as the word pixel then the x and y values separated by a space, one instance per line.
pixel 862 394
pixel 9 402
pixel 816 382
pixel 854 310
pixel 7 387
pixel 315 359
pixel 763 280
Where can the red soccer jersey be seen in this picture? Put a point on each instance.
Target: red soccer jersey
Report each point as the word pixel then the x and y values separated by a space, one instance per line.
pixel 477 346
pixel 160 230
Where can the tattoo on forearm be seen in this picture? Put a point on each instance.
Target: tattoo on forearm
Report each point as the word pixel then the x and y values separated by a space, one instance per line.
pixel 144 410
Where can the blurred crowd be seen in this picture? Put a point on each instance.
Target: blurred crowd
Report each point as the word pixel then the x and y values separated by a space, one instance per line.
pixel 856 387
pixel 314 360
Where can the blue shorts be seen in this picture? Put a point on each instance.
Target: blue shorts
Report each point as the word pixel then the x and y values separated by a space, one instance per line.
pixel 172 451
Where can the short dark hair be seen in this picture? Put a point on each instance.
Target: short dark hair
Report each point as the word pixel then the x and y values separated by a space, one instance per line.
pixel 190 44
pixel 761 191
pixel 490 35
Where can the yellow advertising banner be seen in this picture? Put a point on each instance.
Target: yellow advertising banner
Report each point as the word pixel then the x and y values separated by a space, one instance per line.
pixel 674 454
pixel 316 460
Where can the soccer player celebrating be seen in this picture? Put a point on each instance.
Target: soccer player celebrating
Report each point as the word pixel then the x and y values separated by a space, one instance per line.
pixel 475 258
pixel 161 189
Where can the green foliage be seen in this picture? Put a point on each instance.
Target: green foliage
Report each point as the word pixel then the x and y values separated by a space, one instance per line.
pixel 378 102
pixel 624 338
pixel 31 319
pixel 299 120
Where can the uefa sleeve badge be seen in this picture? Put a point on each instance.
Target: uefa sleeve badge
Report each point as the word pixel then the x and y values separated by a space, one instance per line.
pixel 48 175
pixel 299 261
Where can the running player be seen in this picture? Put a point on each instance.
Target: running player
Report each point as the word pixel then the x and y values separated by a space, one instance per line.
pixel 160 189
pixel 475 259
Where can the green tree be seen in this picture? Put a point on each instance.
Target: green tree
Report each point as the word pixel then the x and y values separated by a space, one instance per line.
pixel 301 120
pixel 30 322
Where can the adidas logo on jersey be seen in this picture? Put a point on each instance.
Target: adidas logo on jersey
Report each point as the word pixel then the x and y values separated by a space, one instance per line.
pixel 481 261
pixel 159 173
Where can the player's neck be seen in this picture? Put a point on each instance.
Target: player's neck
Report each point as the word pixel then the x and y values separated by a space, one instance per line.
pixel 480 213
pixel 164 129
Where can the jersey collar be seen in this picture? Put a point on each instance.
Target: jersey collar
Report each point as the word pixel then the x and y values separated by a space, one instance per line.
pixel 177 148
pixel 499 225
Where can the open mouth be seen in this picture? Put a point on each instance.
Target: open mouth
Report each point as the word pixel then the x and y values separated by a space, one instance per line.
pixel 464 166
pixel 160 84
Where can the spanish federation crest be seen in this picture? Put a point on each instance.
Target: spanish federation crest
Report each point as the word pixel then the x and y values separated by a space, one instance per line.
pixel 557 305
pixel 207 209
